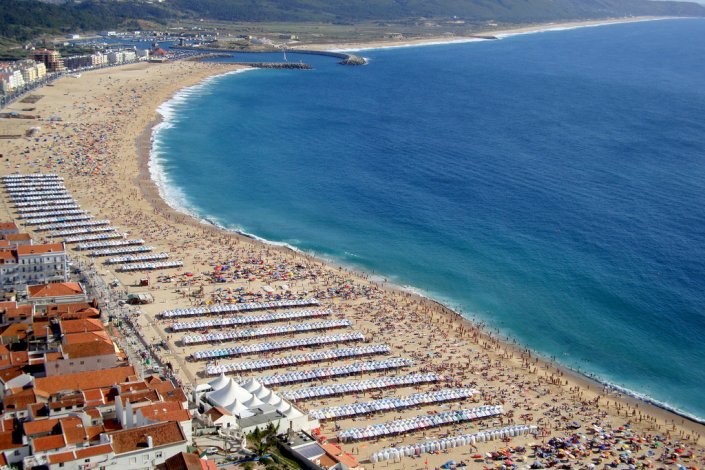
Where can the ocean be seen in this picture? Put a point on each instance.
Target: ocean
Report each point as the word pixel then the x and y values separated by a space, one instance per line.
pixel 550 185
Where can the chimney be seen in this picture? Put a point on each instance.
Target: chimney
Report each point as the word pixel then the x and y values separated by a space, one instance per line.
pixel 150 442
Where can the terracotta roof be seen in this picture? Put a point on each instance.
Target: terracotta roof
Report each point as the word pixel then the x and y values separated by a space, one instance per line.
pixel 18 237
pixel 93 432
pixel 20 399
pixel 87 344
pixel 183 461
pixel 10 372
pixel 133 386
pixel 92 451
pixel 93 395
pixel 84 380
pixel 40 426
pixel 44 443
pixel 170 393
pixel 18 311
pixel 139 396
pixel 6 257
pixel 339 455
pixel 82 453
pixel 61 457
pixel 217 412
pixel 71 311
pixel 54 289
pixel 15 329
pixel 164 411
pixel 40 329
pixel 8 440
pixel 73 430
pixel 26 250
pixel 8 226
pixel 53 356
pixel 81 325
pixel 128 440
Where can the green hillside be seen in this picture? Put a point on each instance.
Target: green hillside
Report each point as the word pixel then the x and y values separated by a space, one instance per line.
pixel 24 19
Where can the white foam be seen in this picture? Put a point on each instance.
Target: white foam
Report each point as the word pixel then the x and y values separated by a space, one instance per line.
pixel 169 110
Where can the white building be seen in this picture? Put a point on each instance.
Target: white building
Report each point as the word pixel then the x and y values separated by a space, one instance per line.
pixel 254 405
pixel 33 264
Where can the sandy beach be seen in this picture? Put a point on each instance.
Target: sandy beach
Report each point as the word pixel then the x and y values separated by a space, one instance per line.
pixel 101 147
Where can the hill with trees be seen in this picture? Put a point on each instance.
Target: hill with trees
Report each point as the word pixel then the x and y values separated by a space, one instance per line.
pixel 21 20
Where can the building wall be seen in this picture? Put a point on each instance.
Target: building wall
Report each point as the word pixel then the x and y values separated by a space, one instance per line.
pixel 146 458
pixel 80 364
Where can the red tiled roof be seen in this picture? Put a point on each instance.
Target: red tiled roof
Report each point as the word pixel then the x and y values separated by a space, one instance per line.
pixel 162 434
pixel 84 380
pixel 18 236
pixel 54 289
pixel 92 451
pixel 20 399
pixel 25 250
pixel 164 411
pixel 8 226
pixel 44 443
pixel 10 372
pixel 40 426
pixel 15 329
pixel 339 456
pixel 61 457
pixel 7 441
pixel 71 311
pixel 81 325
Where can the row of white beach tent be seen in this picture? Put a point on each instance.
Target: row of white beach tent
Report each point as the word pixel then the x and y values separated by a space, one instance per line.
pixel 360 386
pixel 39 198
pixel 11 187
pixel 265 331
pixel 248 319
pixel 277 346
pixel 392 403
pixel 31 193
pixel 401 426
pixel 52 213
pixel 51 220
pixel 68 225
pixel 81 231
pixel 51 203
pixel 92 237
pixel 337 371
pixel 121 250
pixel 13 177
pixel 36 188
pixel 44 207
pixel 109 244
pixel 138 258
pixel 307 358
pixel 395 453
pixel 150 266
pixel 234 308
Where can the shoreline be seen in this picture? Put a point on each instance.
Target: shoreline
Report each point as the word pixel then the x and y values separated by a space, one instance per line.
pixel 486 35
pixel 584 378
pixel 156 217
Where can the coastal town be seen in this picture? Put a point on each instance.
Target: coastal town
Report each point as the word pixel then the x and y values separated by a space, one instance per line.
pixel 134 336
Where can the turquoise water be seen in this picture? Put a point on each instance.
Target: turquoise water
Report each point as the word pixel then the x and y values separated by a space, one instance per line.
pixel 550 184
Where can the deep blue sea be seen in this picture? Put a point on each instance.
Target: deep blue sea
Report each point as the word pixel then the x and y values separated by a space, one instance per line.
pixel 551 185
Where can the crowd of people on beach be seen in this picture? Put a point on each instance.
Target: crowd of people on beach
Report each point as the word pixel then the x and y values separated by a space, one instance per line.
pixel 579 425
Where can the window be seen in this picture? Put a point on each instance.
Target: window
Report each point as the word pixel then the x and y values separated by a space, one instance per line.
pixel 158 455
